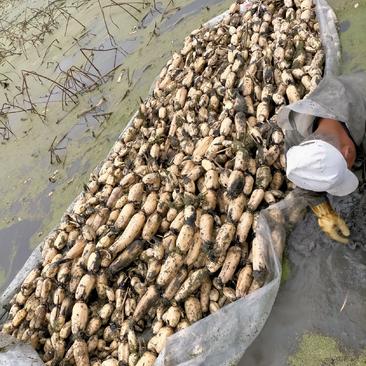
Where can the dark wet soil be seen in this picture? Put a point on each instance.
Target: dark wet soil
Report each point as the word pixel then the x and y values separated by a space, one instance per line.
pixel 325 293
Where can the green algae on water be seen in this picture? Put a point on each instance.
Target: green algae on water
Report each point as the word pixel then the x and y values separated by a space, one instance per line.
pixel 2 276
pixel 286 269
pixel 319 350
pixel 353 40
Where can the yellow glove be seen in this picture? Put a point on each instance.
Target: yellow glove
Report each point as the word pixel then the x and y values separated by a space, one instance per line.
pixel 331 223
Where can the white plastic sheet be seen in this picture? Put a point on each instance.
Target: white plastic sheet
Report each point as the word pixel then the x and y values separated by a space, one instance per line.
pixel 16 353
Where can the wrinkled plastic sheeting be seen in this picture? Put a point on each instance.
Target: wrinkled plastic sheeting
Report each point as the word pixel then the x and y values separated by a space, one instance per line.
pixel 33 261
pixel 329 36
pixel 16 353
pixel 331 45
pixel 222 338
pixel 219 338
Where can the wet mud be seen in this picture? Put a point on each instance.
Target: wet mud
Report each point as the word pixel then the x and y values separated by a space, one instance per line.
pixel 324 293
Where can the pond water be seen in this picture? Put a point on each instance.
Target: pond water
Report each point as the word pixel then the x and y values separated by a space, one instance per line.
pixel 113 54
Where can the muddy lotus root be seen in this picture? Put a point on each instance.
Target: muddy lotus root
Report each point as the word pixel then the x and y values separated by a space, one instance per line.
pixel 165 233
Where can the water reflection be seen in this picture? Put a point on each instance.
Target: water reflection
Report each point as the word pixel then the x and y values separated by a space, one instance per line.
pixel 15 248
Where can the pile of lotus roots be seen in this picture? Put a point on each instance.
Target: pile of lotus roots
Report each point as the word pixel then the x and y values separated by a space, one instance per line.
pixel 165 233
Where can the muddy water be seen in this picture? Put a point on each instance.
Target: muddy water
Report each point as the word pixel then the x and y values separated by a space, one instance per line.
pixel 351 16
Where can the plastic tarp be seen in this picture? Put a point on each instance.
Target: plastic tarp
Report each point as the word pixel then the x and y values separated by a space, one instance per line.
pixel 221 338
pixel 13 352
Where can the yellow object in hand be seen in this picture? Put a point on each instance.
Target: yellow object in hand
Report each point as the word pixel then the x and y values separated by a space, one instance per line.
pixel 331 223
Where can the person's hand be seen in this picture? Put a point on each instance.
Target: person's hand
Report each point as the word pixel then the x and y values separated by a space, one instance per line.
pixel 331 223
